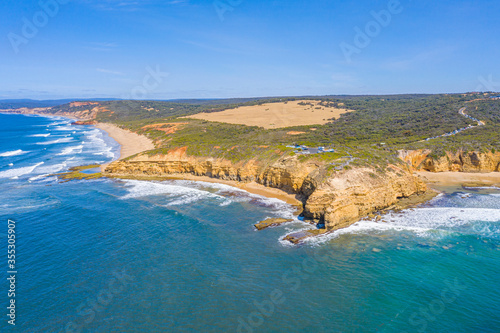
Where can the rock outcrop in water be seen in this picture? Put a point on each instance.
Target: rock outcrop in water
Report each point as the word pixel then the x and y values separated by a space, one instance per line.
pixel 424 160
pixel 337 200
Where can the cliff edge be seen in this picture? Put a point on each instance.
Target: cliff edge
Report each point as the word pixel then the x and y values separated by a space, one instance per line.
pixel 335 198
pixel 460 161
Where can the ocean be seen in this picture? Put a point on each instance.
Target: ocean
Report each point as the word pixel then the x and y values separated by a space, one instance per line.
pixel 179 256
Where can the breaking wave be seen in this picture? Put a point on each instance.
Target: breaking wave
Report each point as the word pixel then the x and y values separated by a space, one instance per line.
pixel 71 150
pixel 181 195
pixel 40 135
pixel 15 173
pixel 65 140
pixel 13 153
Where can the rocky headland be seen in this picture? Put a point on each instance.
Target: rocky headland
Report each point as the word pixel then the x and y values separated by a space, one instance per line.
pixel 460 161
pixel 331 198
pixel 335 199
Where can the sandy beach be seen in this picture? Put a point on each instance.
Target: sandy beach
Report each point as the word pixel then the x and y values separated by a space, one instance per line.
pixel 455 179
pixel 131 143
pixel 253 187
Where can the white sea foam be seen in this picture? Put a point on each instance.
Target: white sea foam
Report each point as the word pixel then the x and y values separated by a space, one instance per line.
pixel 40 135
pixel 51 169
pixel 32 179
pixel 446 217
pixel 373 227
pixel 108 152
pixel 186 192
pixel 184 195
pixel 28 204
pixel 65 140
pixel 71 150
pixel 96 143
pixel 279 207
pixel 58 123
pixel 13 153
pixel 425 222
pixel 16 173
pixel 66 128
pixel 482 187
pixel 301 227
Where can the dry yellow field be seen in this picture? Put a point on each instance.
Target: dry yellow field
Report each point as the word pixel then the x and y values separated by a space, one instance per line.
pixel 276 115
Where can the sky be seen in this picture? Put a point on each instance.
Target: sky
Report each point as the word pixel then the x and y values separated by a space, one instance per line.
pixel 170 49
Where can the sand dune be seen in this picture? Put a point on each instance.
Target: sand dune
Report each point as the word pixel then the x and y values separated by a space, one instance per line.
pixel 276 115
pixel 131 143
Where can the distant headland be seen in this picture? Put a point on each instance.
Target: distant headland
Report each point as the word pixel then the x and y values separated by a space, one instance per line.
pixel 384 152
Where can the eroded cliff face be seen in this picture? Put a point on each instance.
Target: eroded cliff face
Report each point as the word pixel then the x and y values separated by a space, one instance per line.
pixel 88 114
pixel 422 160
pixel 287 174
pixel 353 194
pixel 337 200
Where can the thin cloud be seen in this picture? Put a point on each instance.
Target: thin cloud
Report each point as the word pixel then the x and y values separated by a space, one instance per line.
pixel 436 55
pixel 124 5
pixel 212 48
pixel 108 71
pixel 101 46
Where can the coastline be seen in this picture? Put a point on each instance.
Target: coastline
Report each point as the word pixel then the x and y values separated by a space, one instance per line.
pixel 132 143
pixel 446 181
pixel 47 115
pixel 254 188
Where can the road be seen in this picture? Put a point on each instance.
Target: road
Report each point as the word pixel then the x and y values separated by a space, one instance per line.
pixel 462 112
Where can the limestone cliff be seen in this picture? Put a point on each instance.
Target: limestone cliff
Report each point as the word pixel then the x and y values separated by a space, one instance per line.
pixel 87 112
pixel 347 196
pixel 338 200
pixel 423 160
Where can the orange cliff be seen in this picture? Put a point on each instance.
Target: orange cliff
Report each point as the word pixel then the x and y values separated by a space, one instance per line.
pixel 337 199
pixel 460 161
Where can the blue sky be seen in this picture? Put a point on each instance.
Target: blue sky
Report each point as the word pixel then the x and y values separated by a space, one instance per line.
pixel 107 48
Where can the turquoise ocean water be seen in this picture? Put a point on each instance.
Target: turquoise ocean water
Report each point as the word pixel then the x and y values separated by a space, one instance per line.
pixel 177 256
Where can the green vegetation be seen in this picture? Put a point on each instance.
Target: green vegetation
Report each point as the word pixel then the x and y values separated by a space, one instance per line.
pixel 133 112
pixel 76 173
pixel 372 134
pixel 483 138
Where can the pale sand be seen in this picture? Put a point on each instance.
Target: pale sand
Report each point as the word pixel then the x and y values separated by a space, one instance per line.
pixel 275 115
pixel 131 143
pixel 268 192
pixel 253 187
pixel 460 178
